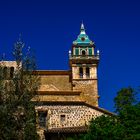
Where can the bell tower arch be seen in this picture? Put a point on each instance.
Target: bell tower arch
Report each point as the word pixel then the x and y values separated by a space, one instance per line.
pixel 84 63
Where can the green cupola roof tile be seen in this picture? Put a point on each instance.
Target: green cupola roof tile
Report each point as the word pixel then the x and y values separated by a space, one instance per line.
pixel 83 38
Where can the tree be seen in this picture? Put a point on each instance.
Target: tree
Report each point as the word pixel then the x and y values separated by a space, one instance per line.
pixel 125 98
pixel 129 118
pixel 104 128
pixel 125 125
pixel 128 109
pixel 17 112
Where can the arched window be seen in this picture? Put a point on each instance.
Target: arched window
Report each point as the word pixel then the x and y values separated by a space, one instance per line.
pixel 83 52
pixel 81 72
pixel 5 73
pixel 11 72
pixel 87 72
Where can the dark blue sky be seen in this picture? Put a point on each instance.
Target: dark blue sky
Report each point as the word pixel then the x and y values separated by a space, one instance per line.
pixel 50 26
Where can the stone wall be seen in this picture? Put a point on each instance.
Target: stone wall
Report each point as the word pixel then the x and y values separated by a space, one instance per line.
pixel 55 83
pixel 8 63
pixel 61 116
pixel 89 90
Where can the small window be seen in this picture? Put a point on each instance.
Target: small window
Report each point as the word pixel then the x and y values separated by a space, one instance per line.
pixel 81 72
pixel 42 118
pixel 11 72
pixel 62 118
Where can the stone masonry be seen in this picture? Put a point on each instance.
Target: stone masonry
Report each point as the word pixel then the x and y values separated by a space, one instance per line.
pixel 73 115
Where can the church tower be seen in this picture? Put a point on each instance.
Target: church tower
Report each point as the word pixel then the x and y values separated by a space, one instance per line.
pixel 84 63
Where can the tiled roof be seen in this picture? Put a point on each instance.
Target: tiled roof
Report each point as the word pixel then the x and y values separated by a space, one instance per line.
pixel 68 130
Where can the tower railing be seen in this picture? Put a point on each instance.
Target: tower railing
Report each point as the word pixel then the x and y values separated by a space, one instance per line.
pixel 84 56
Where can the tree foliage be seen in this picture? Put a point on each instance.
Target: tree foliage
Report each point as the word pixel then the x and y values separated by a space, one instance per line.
pixel 125 125
pixel 104 128
pixel 17 112
pixel 125 98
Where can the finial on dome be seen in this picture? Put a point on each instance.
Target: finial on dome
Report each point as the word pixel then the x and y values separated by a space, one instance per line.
pixel 82 28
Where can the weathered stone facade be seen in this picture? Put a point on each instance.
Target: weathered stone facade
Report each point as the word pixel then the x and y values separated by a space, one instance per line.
pixel 7 69
pixel 74 115
pixel 89 90
pixel 55 83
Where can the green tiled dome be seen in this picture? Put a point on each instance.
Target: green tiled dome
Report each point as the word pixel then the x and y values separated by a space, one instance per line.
pixel 83 39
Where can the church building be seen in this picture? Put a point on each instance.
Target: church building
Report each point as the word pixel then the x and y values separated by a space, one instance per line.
pixel 69 99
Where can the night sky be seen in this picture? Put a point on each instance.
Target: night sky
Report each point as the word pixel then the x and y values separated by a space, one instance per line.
pixel 50 26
